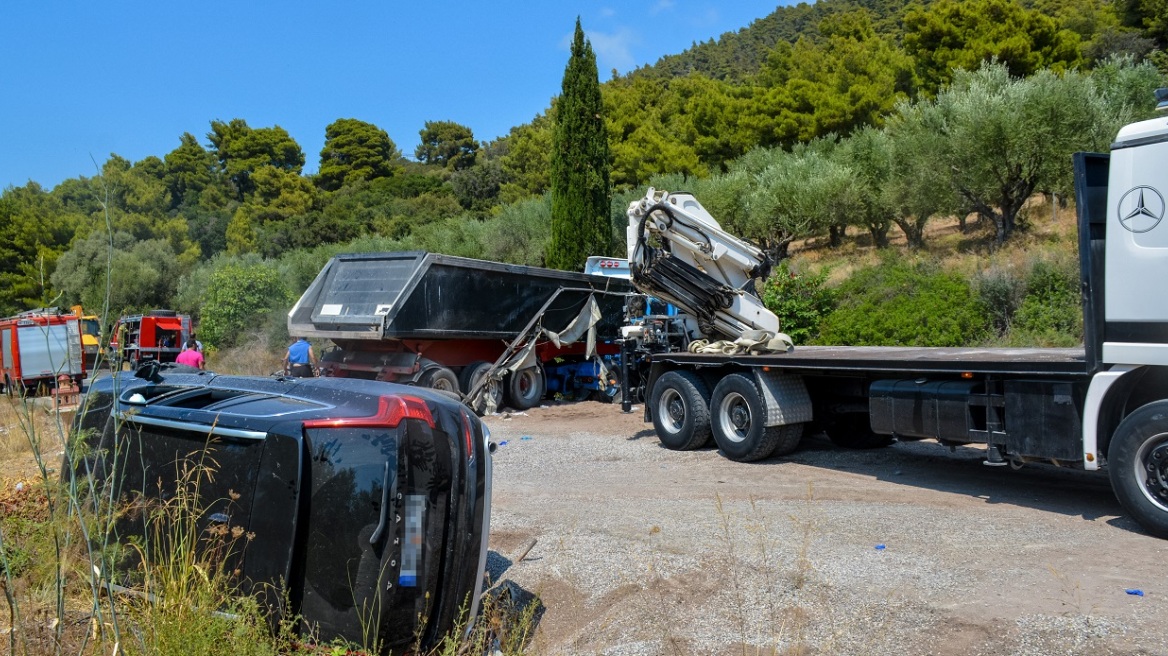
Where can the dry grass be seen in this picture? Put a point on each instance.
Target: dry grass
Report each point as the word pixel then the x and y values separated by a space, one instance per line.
pixel 1041 228
pixel 256 356
pixel 21 418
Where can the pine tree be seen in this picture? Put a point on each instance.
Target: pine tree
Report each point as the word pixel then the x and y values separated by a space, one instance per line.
pixel 580 163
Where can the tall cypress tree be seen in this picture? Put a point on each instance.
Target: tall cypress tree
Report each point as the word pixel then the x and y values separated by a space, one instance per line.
pixel 580 164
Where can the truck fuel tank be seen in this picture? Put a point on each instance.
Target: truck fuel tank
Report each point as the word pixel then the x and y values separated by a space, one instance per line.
pixel 923 408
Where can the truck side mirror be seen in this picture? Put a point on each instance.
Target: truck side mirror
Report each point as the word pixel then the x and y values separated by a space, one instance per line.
pixel 1162 99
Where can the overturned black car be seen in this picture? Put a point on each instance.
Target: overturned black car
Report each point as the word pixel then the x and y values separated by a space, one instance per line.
pixel 365 504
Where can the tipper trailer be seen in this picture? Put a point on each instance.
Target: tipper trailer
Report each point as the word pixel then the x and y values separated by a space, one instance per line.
pixel 1102 406
pixel 448 322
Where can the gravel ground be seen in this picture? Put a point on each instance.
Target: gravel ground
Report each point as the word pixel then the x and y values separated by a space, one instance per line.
pixel 905 550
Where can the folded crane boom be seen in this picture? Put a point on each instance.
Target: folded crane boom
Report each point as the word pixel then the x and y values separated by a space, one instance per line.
pixel 678 253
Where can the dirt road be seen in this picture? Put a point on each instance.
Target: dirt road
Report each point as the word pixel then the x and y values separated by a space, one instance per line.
pixel 904 550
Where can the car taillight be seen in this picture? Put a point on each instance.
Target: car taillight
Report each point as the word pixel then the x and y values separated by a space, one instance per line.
pixel 391 410
pixel 468 435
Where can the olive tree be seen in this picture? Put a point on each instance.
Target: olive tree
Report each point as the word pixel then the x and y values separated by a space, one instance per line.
pixel 1003 138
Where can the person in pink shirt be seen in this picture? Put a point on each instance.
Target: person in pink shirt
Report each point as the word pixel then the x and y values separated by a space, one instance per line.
pixel 191 356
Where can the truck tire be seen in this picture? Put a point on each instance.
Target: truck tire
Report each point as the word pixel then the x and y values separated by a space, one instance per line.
pixel 786 438
pixel 854 431
pixel 681 410
pixel 1137 463
pixel 738 418
pixel 525 388
pixel 471 374
pixel 439 378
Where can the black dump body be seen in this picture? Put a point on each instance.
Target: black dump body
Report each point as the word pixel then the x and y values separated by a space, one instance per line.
pixel 420 295
pixel 365 504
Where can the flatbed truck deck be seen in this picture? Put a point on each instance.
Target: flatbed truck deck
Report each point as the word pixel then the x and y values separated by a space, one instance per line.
pixel 1103 406
pixel 902 359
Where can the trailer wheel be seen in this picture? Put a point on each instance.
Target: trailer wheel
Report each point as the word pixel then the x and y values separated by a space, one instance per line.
pixel 854 431
pixel 786 437
pixel 471 374
pixel 439 378
pixel 1137 463
pixel 526 388
pixel 681 411
pixel 738 420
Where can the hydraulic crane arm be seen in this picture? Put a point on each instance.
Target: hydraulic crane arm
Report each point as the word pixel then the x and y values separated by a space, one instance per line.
pixel 679 253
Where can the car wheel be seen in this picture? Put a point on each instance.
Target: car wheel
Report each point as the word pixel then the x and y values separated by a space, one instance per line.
pixel 439 378
pixel 526 387
pixel 681 410
pixel 738 420
pixel 1137 462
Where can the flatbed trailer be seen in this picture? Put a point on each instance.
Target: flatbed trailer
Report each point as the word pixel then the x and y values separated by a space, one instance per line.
pixel 1102 406
pixel 813 360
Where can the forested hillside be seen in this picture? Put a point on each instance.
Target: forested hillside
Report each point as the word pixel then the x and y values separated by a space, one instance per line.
pixel 876 114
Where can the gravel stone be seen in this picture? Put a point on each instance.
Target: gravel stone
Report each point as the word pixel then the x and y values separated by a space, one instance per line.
pixel 643 550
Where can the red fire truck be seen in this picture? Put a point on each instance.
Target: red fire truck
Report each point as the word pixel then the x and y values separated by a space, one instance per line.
pixel 158 336
pixel 38 347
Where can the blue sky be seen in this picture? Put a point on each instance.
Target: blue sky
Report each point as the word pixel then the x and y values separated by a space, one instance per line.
pixel 80 80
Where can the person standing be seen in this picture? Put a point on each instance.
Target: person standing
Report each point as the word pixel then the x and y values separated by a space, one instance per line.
pixel 191 356
pixel 198 346
pixel 300 360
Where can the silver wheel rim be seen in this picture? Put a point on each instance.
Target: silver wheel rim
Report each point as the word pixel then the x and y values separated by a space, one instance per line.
pixel 734 417
pixel 1151 470
pixel 671 410
pixel 441 383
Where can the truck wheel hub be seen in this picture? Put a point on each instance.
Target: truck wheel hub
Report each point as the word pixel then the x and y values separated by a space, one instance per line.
pixel 740 417
pixel 1156 466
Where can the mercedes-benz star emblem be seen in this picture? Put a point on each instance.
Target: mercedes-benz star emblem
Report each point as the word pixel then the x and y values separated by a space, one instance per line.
pixel 1141 209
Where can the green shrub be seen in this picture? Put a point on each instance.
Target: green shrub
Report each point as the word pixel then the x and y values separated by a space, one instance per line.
pixel 800 300
pixel 902 304
pixel 1051 312
pixel 240 300
pixel 1001 292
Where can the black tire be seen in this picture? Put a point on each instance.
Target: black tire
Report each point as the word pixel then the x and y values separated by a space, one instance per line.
pixel 470 376
pixel 786 438
pixel 439 378
pixel 1137 463
pixel 681 410
pixel 854 431
pixel 737 417
pixel 525 388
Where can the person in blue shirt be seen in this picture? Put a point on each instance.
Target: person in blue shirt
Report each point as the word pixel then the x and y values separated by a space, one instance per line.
pixel 300 360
